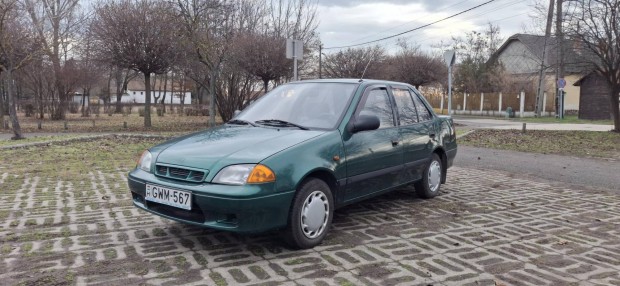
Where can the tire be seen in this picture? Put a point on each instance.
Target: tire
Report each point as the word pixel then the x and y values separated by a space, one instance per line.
pixel 430 184
pixel 311 214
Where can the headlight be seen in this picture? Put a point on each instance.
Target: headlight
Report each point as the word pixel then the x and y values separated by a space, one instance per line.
pixel 245 173
pixel 145 161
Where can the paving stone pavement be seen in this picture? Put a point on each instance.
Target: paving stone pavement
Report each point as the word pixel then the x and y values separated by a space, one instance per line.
pixel 486 228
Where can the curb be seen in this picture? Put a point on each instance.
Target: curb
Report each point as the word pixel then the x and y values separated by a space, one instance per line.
pixel 465 134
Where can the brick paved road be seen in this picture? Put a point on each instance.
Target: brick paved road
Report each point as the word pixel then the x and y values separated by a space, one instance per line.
pixel 486 228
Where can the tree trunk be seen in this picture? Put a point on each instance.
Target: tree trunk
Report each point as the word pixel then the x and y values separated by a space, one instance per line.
pixel 147 100
pixel 615 109
pixel 17 131
pixel 265 85
pixel 119 92
pixel 212 99
pixel 84 102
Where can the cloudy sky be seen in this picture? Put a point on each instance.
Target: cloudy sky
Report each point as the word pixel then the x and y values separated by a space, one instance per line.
pixel 347 22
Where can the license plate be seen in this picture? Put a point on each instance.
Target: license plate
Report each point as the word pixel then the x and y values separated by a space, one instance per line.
pixel 171 197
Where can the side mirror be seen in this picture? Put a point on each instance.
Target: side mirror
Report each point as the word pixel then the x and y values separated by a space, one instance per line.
pixel 365 122
pixel 236 113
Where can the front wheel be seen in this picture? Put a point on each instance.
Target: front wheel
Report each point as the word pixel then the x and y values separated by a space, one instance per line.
pixel 429 186
pixel 311 214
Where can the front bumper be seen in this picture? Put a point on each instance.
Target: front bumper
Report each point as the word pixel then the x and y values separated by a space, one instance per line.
pixel 248 208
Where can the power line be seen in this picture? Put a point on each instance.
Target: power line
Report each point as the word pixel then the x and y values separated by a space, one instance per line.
pixel 484 13
pixel 403 24
pixel 414 29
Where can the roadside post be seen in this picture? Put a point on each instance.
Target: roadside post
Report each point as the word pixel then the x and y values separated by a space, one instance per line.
pixel 560 98
pixel 449 58
pixel 294 50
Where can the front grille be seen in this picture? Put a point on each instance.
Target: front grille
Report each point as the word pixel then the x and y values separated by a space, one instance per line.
pixel 179 173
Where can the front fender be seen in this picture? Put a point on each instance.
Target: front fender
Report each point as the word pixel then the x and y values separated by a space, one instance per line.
pixel 294 164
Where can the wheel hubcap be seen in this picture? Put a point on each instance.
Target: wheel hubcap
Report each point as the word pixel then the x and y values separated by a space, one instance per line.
pixel 314 214
pixel 434 176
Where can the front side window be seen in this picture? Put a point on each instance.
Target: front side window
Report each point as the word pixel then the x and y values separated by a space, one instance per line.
pixel 311 104
pixel 423 113
pixel 378 103
pixel 406 110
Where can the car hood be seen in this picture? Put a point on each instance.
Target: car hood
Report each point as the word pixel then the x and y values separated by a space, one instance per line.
pixel 226 145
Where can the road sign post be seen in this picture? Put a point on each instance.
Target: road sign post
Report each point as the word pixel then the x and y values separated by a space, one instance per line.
pixel 449 58
pixel 294 50
pixel 561 84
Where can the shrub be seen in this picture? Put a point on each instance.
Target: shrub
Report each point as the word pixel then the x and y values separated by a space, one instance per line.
pixel 29 110
pixel 74 107
pixel 127 109
pixel 95 108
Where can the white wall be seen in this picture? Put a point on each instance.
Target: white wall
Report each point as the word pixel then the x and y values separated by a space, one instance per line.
pixel 138 96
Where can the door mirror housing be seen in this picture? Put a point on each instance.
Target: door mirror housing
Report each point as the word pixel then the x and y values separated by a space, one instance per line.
pixel 364 122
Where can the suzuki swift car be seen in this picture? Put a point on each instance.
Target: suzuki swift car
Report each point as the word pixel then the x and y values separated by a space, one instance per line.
pixel 294 156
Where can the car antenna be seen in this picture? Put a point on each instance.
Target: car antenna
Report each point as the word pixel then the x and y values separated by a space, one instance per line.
pixel 363 73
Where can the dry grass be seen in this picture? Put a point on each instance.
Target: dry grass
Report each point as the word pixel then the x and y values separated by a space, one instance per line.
pixel 114 123
pixel 573 143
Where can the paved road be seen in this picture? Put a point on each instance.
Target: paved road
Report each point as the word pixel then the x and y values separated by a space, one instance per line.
pixel 477 123
pixel 592 173
pixel 486 228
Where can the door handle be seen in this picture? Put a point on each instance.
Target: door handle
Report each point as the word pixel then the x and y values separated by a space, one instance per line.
pixel 394 143
pixel 432 135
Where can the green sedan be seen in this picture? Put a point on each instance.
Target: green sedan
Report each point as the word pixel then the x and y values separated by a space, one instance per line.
pixel 294 156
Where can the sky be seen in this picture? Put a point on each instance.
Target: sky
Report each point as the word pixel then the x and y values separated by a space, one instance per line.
pixel 347 22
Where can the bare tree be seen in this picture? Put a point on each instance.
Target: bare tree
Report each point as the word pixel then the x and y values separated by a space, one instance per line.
pixel 596 23
pixel 475 73
pixel 263 56
pixel 413 66
pixel 295 19
pixel 56 23
pixel 208 28
pixel 17 48
pixel 138 35
pixel 352 62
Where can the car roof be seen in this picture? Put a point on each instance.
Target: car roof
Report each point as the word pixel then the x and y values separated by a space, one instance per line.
pixel 352 80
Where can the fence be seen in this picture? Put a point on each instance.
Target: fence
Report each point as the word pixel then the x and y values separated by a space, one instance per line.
pixel 31 108
pixel 492 104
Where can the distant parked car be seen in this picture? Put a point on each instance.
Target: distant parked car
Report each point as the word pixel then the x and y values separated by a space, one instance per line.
pixel 297 154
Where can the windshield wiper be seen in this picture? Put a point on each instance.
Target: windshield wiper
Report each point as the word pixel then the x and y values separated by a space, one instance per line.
pixel 241 122
pixel 278 123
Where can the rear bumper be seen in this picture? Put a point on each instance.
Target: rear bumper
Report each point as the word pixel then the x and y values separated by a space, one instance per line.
pixel 249 208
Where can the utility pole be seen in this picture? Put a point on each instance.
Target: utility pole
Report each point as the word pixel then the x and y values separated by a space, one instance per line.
pixel 541 75
pixel 320 60
pixel 559 98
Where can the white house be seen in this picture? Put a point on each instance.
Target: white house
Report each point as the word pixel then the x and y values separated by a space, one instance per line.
pixel 171 97
pixel 172 93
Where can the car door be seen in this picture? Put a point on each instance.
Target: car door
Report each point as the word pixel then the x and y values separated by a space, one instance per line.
pixel 373 157
pixel 420 153
pixel 414 134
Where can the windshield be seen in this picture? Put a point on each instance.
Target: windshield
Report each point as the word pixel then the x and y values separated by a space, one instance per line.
pixel 309 105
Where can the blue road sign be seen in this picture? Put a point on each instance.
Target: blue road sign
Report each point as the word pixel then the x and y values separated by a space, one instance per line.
pixel 561 83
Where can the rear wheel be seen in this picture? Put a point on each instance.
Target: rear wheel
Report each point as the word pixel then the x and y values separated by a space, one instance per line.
pixel 311 214
pixel 429 186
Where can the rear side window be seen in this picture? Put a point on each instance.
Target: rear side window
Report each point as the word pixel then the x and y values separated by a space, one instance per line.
pixel 423 113
pixel 406 109
pixel 378 103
